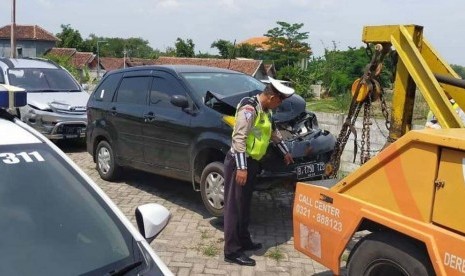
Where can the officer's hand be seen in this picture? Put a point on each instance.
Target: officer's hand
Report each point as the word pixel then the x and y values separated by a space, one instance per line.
pixel 288 159
pixel 241 177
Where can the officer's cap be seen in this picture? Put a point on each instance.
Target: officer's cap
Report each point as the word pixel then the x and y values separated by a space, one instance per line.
pixel 285 91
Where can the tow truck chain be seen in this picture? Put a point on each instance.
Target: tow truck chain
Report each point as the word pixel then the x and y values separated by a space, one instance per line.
pixel 347 128
pixel 365 142
pixel 372 70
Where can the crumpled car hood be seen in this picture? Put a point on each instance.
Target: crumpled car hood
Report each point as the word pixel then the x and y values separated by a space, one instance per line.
pixel 288 110
pixel 73 101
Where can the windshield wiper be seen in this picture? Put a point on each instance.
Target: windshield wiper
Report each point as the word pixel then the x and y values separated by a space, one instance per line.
pixel 124 270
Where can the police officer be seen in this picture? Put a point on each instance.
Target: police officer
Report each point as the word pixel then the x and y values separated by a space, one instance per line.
pixel 251 135
pixel 432 122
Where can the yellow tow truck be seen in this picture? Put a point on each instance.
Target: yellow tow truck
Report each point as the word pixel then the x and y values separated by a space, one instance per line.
pixel 410 198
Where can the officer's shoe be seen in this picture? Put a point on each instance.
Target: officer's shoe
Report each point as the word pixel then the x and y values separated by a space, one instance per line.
pixel 251 246
pixel 239 258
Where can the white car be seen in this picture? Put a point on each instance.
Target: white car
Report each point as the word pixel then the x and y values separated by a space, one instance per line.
pixel 54 220
pixel 56 103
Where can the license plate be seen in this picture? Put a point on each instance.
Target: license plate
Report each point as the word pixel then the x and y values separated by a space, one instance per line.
pixel 310 170
pixel 71 132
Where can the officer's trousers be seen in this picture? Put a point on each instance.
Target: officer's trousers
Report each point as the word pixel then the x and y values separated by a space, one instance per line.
pixel 237 201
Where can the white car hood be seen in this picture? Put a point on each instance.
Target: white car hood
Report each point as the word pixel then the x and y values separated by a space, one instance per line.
pixel 58 100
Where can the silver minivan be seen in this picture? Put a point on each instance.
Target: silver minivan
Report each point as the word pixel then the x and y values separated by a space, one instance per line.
pixel 56 103
pixel 55 220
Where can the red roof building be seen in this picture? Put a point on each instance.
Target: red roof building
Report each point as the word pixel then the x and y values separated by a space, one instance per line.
pixel 31 40
pixel 251 67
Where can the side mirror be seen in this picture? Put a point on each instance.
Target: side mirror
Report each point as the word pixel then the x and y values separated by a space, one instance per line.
pixel 85 86
pixel 180 101
pixel 151 219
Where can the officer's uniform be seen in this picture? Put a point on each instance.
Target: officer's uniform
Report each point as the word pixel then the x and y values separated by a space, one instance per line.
pixel 251 136
pixel 432 122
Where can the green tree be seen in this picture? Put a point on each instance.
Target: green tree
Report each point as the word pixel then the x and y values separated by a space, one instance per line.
pixel 69 38
pixel 206 55
pixel 287 44
pixel 460 70
pixel 169 52
pixel 338 69
pixel 184 48
pixel 226 48
pixel 246 51
pixel 115 47
pixel 67 64
pixel 300 80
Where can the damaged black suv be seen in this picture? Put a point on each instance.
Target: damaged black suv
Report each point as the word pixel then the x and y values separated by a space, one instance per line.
pixel 177 121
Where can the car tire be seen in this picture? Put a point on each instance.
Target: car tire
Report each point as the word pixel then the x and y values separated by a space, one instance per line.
pixel 106 164
pixel 386 253
pixel 212 188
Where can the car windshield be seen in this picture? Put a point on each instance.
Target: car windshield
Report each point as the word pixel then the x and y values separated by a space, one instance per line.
pixel 42 80
pixel 52 222
pixel 221 83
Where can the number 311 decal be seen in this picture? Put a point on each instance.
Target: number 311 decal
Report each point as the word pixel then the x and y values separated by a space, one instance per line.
pixel 16 158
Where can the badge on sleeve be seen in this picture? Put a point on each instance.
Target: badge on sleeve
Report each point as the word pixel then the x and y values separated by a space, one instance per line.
pixel 248 115
pixel 248 112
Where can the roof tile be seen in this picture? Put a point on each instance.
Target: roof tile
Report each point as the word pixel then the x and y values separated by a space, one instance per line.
pixel 109 63
pixel 82 59
pixel 259 42
pixel 246 66
pixel 27 32
pixel 66 52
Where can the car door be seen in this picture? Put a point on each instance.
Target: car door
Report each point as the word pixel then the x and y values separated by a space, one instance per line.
pixel 127 116
pixel 167 128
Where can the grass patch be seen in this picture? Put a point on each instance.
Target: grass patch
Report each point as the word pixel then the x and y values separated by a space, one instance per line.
pixel 341 103
pixel 275 253
pixel 204 235
pixel 323 105
pixel 210 250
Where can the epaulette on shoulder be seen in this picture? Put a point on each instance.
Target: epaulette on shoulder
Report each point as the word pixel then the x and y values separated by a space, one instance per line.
pixel 248 101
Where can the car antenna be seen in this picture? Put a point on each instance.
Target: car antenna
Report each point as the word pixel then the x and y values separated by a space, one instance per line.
pixel 233 54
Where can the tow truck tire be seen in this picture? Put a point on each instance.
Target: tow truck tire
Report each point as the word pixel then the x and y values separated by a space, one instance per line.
pixel 106 164
pixel 386 253
pixel 212 188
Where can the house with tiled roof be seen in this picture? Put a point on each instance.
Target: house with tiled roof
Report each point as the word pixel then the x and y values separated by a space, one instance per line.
pixel 31 40
pixel 62 52
pixel 140 62
pixel 252 67
pixel 259 42
pixel 111 63
pixel 83 60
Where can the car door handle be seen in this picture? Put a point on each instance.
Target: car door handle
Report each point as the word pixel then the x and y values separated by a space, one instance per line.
pixel 149 117
pixel 113 111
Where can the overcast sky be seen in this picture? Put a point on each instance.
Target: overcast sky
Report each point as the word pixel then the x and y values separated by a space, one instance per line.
pixel 204 21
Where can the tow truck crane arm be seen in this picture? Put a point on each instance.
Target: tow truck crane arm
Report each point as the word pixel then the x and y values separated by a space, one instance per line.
pixel 410 196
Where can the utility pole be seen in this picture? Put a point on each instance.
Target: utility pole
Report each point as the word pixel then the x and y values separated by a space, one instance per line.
pixel 98 58
pixel 13 28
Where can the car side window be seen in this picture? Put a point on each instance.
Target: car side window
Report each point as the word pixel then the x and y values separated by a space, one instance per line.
pixel 133 90
pixel 163 87
pixel 2 79
pixel 106 89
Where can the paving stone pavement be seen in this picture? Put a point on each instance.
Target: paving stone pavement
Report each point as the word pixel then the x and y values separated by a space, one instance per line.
pixel 192 243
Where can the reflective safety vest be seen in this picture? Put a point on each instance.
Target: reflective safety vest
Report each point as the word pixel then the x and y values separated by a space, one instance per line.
pixel 431 118
pixel 259 136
